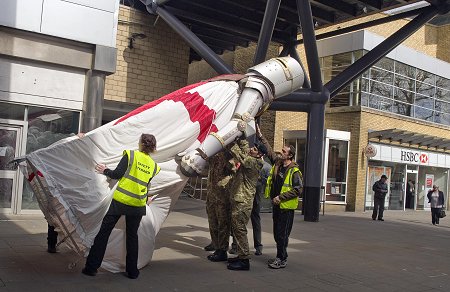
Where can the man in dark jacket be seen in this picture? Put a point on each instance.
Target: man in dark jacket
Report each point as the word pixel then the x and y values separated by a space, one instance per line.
pixel 381 189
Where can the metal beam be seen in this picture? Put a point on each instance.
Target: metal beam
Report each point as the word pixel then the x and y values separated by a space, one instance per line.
pixel 293 53
pixel 194 42
pixel 374 4
pixel 290 106
pixel 312 57
pixel 220 35
pixel 304 95
pixel 367 24
pixel 368 60
pixel 265 34
pixel 344 7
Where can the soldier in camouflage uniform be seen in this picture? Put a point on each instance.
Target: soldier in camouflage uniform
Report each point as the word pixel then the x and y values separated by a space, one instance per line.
pixel 243 189
pixel 218 206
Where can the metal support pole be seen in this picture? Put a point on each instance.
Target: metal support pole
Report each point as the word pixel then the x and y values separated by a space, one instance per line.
pixel 290 106
pixel 93 101
pixel 314 162
pixel 368 60
pixel 309 37
pixel 265 34
pixel 304 95
pixel 194 42
pixel 293 53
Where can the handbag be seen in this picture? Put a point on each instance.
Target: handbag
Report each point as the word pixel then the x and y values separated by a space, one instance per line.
pixel 442 213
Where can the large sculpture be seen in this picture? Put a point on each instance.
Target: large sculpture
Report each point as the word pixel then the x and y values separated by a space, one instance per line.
pixel 190 124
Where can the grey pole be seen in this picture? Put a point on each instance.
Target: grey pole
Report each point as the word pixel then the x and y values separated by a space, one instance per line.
pixel 91 117
pixel 316 118
pixel 290 106
pixel 368 60
pixel 309 38
pixel 293 53
pixel 265 34
pixel 194 42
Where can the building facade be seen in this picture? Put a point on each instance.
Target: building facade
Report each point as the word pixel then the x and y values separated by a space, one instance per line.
pixel 400 108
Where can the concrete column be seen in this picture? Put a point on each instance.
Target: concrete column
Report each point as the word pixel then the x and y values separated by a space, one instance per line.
pixel 93 101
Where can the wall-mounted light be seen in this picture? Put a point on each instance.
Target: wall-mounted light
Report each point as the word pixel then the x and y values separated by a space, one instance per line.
pixel 135 36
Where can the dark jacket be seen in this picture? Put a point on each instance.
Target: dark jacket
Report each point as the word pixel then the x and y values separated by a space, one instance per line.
pixel 380 189
pixel 440 199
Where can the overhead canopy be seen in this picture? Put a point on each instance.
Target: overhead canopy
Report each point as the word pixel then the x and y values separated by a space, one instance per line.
pixel 225 24
pixel 412 138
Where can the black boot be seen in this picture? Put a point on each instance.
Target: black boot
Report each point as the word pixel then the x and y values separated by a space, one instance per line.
pixel 209 247
pixel 218 256
pixel 239 265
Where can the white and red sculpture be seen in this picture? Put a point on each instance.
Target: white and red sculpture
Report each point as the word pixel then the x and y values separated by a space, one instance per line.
pixel 190 124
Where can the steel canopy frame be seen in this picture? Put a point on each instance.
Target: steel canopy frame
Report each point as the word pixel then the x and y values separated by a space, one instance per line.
pixel 313 97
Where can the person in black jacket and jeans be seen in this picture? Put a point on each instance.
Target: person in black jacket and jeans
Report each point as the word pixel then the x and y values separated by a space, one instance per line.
pixel 381 189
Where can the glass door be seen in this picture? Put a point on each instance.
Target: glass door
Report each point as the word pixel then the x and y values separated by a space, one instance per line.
pixel 10 147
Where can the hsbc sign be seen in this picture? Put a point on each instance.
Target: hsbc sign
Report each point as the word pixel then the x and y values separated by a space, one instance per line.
pixel 413 156
pixel 410 156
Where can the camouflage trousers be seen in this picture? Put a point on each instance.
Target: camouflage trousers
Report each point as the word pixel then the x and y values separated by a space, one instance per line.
pixel 218 209
pixel 240 215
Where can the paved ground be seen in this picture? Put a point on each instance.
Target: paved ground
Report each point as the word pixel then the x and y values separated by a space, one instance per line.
pixel 342 252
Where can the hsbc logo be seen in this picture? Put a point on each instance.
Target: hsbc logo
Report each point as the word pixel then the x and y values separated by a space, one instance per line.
pixel 410 156
pixel 423 158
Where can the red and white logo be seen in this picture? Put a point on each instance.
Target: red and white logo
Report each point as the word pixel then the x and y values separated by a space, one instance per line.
pixel 423 158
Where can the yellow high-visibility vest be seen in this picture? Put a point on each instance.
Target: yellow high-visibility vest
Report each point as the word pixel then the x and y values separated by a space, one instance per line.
pixel 291 204
pixel 132 187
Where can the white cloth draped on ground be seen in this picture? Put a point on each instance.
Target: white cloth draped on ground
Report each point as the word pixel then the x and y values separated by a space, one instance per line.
pixel 75 198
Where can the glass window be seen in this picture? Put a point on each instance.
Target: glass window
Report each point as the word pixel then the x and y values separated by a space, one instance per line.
pixel 404 96
pixel 365 85
pixel 424 101
pixel 442 106
pixel 10 111
pixel 386 64
pixel 423 113
pixel 381 75
pixel 425 89
pixel 405 70
pixel 46 126
pixel 342 98
pixel 365 99
pixel 404 109
pixel 337 170
pixel 442 82
pixel 405 83
pixel 443 94
pixel 426 77
pixel 381 89
pixel 442 118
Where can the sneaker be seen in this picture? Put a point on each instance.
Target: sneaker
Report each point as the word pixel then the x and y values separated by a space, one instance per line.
pixel 269 261
pixel 278 264
pixel 379 219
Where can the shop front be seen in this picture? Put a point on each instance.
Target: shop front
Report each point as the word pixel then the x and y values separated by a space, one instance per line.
pixel 411 174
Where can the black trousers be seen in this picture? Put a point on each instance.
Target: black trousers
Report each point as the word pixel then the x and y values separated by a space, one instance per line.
pixel 97 252
pixel 282 226
pixel 435 215
pixel 256 221
pixel 52 236
pixel 378 208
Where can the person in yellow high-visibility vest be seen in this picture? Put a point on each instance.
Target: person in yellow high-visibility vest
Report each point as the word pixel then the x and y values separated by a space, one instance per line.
pixel 284 186
pixel 134 171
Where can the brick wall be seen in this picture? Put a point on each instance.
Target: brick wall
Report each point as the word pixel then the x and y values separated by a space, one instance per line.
pixel 157 65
